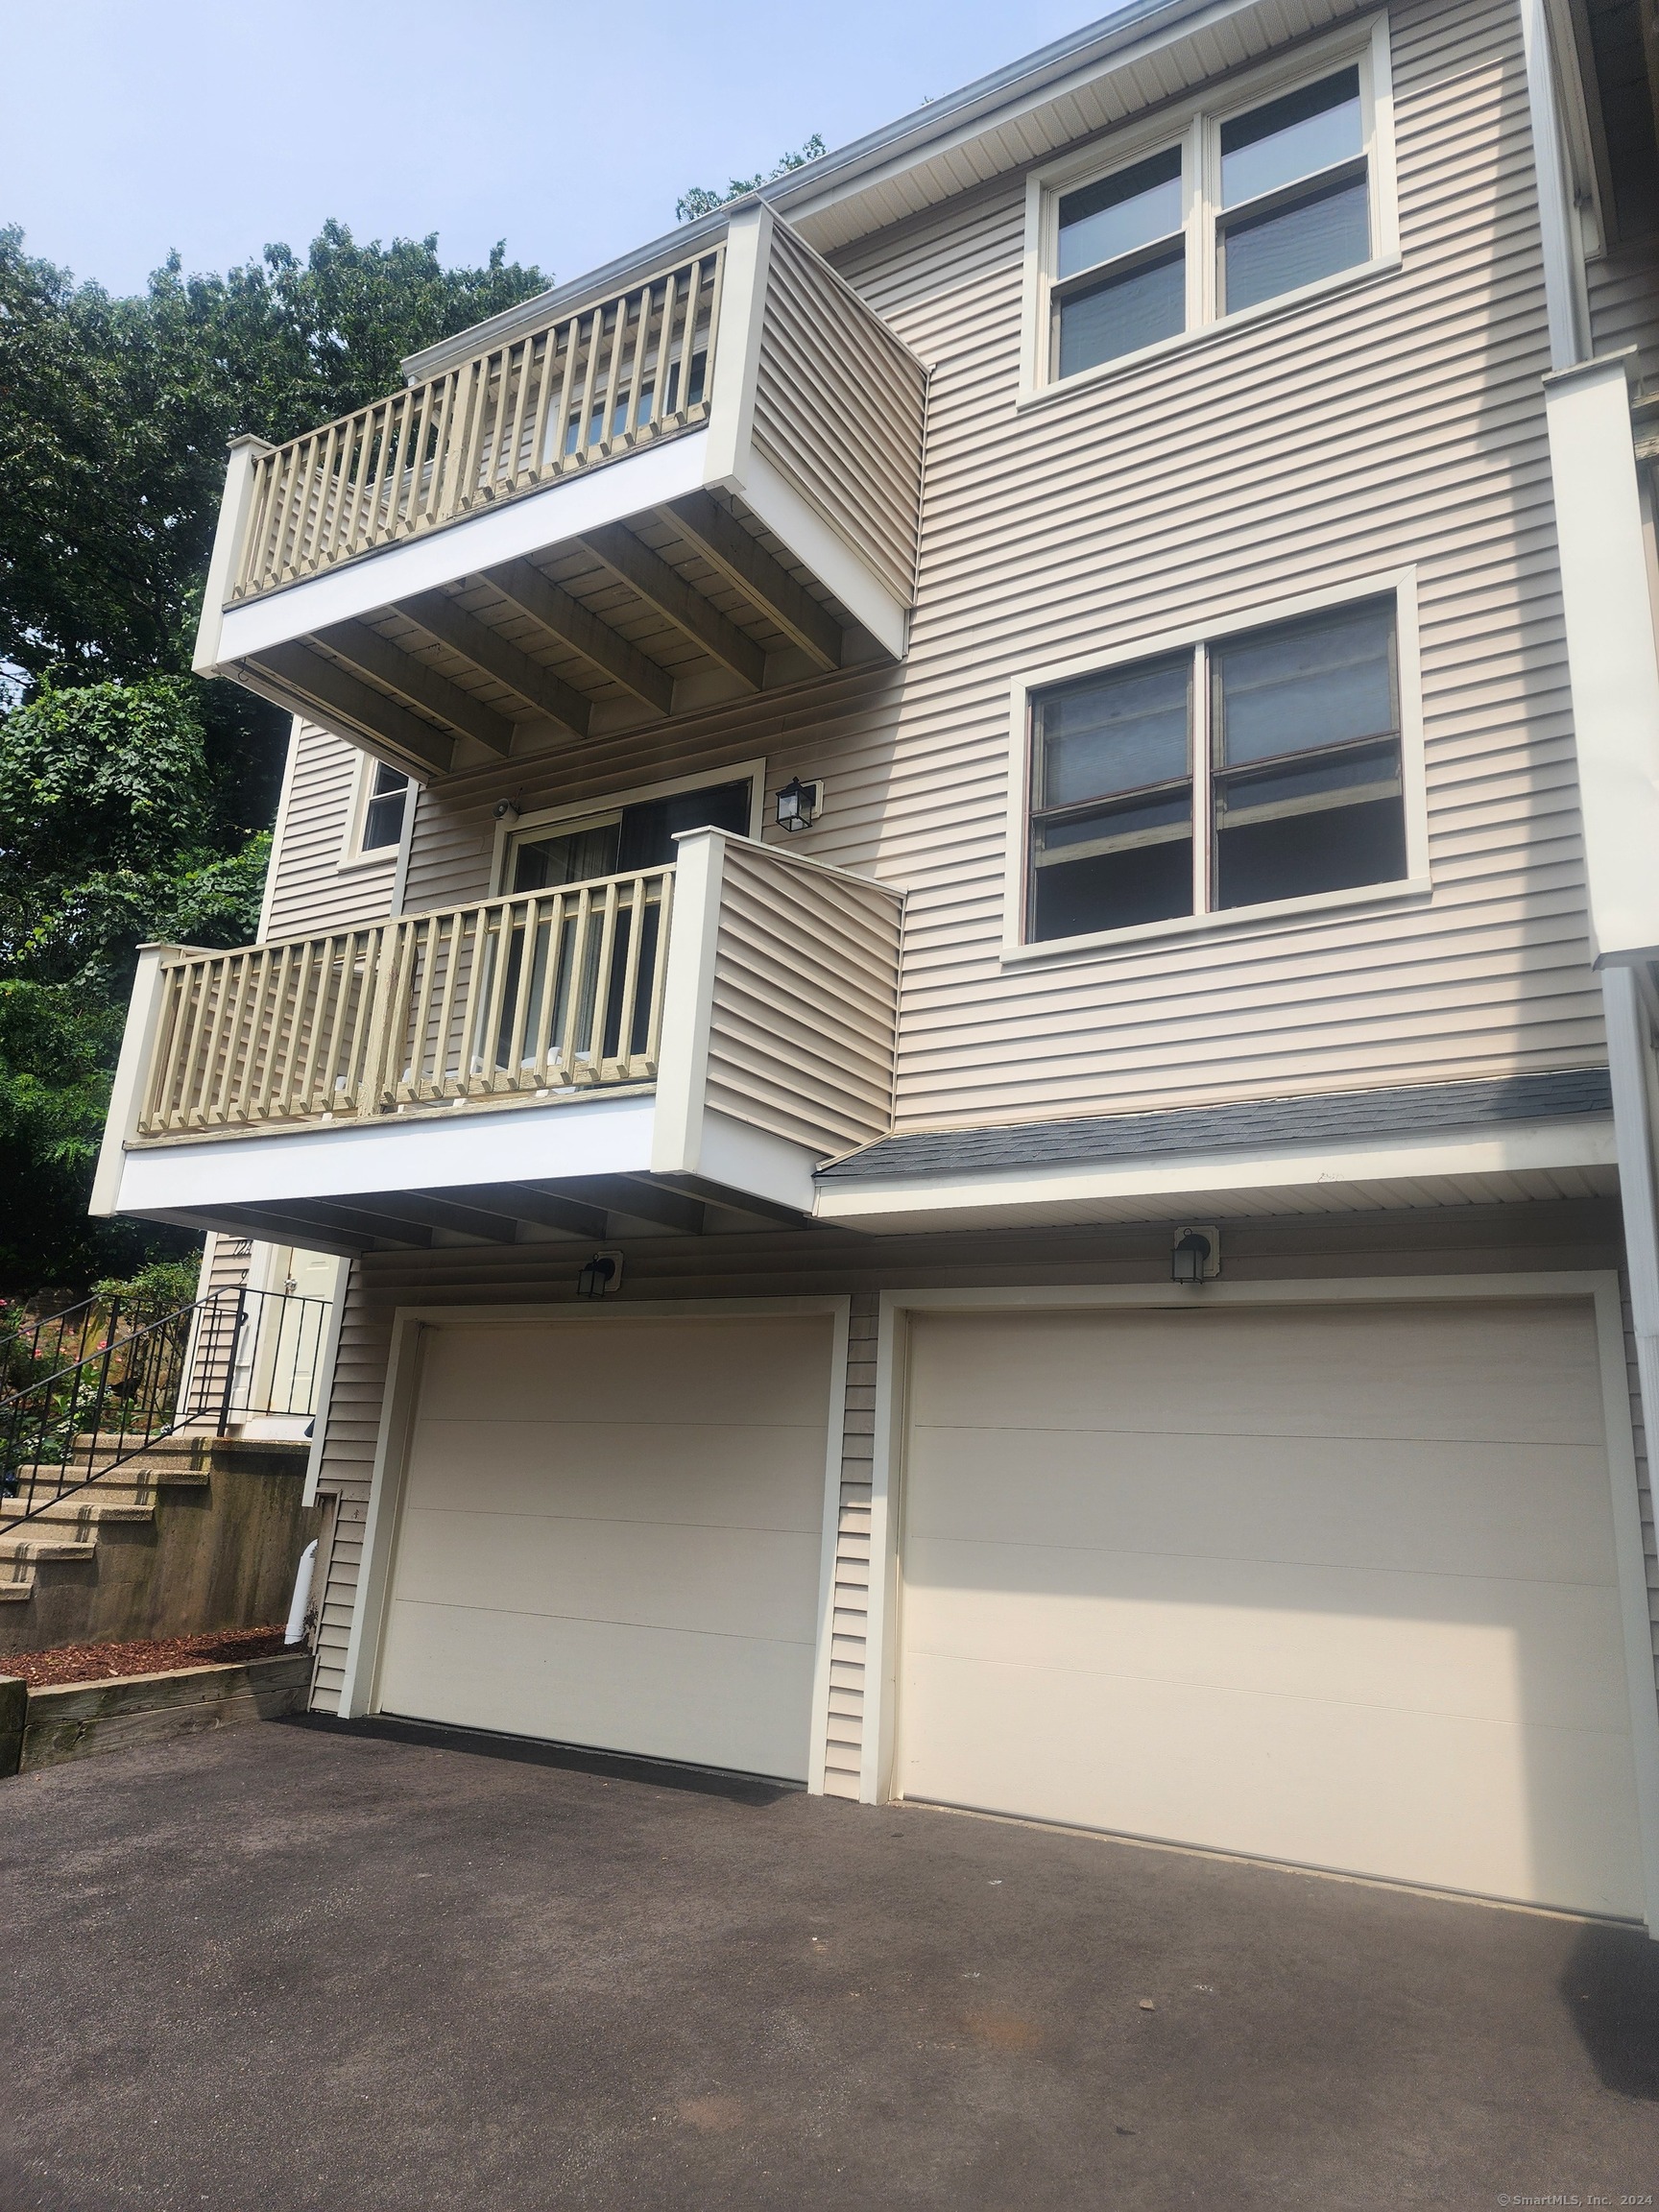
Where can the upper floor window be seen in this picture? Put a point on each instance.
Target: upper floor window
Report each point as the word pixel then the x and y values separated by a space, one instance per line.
pixel 1238 207
pixel 383 814
pixel 1266 765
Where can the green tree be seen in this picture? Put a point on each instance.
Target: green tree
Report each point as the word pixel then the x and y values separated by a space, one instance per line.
pixel 701 200
pixel 135 798
pixel 109 836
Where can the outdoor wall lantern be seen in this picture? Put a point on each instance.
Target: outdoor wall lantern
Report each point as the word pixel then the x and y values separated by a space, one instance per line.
pixel 602 1275
pixel 1197 1257
pixel 798 804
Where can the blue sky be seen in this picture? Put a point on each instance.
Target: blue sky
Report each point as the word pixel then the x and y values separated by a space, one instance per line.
pixel 128 127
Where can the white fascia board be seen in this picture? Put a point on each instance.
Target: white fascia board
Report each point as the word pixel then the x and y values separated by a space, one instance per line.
pixel 756 1162
pixel 513 530
pixel 1000 1195
pixel 1611 655
pixel 825 552
pixel 426 1153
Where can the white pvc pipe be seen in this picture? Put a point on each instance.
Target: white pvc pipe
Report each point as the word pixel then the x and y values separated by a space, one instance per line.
pixel 296 1631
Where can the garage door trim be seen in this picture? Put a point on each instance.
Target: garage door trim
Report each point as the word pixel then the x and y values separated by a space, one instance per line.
pixel 1600 1289
pixel 410 1326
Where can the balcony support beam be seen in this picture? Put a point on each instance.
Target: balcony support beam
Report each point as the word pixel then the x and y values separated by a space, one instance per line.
pixel 642 1200
pixel 664 587
pixel 524 1202
pixel 566 618
pixel 722 540
pixel 433 1212
pixel 449 622
pixel 289 1224
pixel 336 1217
pixel 343 701
pixel 416 684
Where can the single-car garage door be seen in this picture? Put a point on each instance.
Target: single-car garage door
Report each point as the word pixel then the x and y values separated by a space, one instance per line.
pixel 610 1532
pixel 1330 1585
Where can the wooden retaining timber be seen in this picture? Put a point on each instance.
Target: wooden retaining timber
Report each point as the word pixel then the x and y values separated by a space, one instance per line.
pixel 76 1720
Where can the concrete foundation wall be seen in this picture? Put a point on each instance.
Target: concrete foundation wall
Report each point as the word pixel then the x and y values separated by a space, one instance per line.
pixel 220 1554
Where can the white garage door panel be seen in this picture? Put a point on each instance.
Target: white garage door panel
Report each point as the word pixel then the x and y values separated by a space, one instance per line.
pixel 1391 1643
pixel 1331 1372
pixel 610 1533
pixel 1437 1645
pixel 645 1370
pixel 675 1576
pixel 712 1700
pixel 740 1476
pixel 1457 1805
pixel 1529 1511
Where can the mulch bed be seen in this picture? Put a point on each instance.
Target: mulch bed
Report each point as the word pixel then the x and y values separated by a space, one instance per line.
pixel 98 1662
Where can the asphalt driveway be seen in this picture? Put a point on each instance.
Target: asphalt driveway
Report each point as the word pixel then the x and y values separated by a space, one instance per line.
pixel 295 1966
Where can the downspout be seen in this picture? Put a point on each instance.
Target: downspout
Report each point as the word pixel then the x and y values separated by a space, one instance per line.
pixel 1628 1061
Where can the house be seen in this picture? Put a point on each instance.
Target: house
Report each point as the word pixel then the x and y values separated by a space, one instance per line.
pixel 959 970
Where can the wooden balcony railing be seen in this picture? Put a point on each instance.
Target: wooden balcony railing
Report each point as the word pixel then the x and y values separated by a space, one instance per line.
pixel 550 989
pixel 584 388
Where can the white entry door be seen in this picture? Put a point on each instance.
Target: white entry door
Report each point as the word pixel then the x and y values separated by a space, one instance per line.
pixel 1333 1585
pixel 610 1532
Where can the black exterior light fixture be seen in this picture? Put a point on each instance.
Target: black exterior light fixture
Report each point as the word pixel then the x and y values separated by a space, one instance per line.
pixel 1196 1256
pixel 509 810
pixel 602 1275
pixel 798 804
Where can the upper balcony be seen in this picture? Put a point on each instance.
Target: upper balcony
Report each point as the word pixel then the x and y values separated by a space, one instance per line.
pixel 597 511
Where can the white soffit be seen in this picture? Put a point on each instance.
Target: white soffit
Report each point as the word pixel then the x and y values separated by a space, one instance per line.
pixel 1021 117
pixel 1575 1159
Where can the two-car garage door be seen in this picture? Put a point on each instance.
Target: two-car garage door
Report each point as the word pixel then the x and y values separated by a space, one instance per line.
pixel 610 1533
pixel 1331 1585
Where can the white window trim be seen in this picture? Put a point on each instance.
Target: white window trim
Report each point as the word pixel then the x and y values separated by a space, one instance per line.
pixel 1195 125
pixel 1400 585
pixel 883 1723
pixel 596 808
pixel 351 853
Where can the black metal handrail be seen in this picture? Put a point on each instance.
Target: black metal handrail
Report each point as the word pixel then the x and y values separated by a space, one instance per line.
pixel 229 1356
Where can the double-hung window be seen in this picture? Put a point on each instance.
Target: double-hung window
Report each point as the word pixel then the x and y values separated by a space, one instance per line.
pixel 1244 204
pixel 385 804
pixel 1122 264
pixel 1262 766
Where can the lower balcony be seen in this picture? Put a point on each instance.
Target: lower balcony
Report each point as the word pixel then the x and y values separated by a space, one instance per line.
pixel 663 1051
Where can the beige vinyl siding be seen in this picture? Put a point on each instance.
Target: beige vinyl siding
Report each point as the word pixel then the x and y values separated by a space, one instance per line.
pixel 1623 287
pixel 1395 424
pixel 839 409
pixel 227 1264
pixel 1402 423
pixel 1471 1239
pixel 849 1618
pixel 802 1020
pixel 312 891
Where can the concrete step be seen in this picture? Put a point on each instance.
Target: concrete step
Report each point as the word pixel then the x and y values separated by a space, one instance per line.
pixel 27 1546
pixel 91 1506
